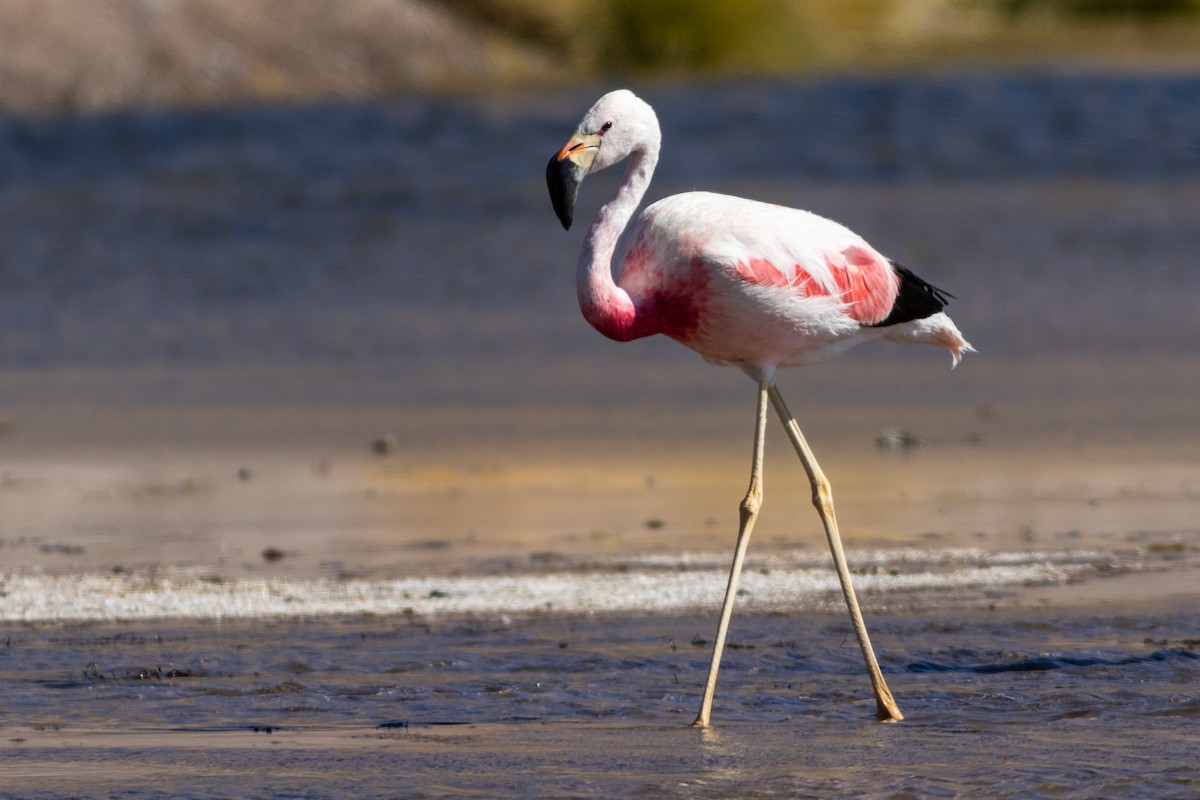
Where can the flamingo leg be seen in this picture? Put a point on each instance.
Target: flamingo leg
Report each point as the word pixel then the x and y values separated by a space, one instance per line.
pixel 885 705
pixel 748 511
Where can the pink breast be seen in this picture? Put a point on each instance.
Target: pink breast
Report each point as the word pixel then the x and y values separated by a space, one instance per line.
pixel 676 307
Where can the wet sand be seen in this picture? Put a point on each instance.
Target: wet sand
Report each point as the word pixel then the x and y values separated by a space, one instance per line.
pixel 592 759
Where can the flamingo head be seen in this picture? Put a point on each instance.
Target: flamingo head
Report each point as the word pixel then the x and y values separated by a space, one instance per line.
pixel 618 124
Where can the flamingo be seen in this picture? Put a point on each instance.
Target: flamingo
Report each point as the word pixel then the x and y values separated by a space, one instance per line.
pixel 743 283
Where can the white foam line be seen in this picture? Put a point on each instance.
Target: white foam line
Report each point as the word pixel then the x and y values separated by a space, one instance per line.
pixel 880 557
pixel 180 596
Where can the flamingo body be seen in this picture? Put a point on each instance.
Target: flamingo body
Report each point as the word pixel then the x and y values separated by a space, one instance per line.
pixel 739 281
pixel 751 283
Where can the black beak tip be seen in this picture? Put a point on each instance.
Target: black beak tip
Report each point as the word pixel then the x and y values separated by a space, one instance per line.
pixel 562 179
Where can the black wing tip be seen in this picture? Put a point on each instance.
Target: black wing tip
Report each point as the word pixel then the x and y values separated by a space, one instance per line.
pixel 917 298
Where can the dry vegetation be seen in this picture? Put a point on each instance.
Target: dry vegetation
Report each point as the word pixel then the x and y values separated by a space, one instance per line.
pixel 66 55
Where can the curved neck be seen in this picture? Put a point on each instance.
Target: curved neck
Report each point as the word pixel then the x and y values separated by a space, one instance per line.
pixel 605 305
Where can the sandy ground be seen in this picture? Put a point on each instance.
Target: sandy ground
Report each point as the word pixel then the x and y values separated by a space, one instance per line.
pixel 466 490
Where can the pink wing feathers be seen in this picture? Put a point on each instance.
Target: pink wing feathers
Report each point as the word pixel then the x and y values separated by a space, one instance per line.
pixel 785 248
pixel 861 278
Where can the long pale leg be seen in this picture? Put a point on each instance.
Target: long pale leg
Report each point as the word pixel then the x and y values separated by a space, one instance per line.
pixel 885 705
pixel 749 512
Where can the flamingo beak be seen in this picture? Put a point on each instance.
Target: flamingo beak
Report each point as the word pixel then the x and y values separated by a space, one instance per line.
pixel 566 171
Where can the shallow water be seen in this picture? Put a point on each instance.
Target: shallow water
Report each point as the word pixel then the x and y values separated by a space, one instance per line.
pixel 1040 703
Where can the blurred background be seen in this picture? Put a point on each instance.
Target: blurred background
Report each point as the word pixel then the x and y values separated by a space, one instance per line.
pixel 320 228
pixel 61 56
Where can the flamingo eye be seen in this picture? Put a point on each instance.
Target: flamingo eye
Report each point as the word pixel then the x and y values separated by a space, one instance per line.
pixel 605 127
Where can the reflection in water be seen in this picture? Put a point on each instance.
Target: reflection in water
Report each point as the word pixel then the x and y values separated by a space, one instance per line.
pixel 725 757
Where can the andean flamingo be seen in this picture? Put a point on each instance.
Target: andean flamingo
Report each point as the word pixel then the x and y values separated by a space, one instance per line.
pixel 741 282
